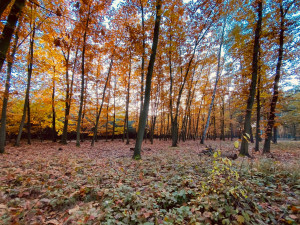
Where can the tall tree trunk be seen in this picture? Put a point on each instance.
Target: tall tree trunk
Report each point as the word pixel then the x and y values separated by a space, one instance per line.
pixel 143 58
pixel 144 114
pixel 84 110
pixel 271 119
pixel 26 102
pixel 275 134
pixel 103 97
pixel 257 135
pixel 215 87
pixel 9 28
pixel 114 122
pixel 250 101
pixel 107 114
pixel 28 124
pixel 53 107
pixel 6 93
pixel 127 101
pixel 82 81
pixel 3 5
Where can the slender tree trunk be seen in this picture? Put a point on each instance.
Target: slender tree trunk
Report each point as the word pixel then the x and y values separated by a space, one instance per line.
pixel 107 114
pixel 53 107
pixel 143 58
pixel 6 93
pixel 114 122
pixel 257 136
pixel 82 81
pixel 271 119
pixel 26 102
pixel 144 114
pixel 28 124
pixel 215 87
pixel 250 101
pixel 3 5
pixel 103 97
pixel 127 102
pixel 84 110
pixel 9 28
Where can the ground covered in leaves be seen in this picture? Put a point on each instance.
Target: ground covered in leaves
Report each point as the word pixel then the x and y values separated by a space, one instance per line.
pixel 40 184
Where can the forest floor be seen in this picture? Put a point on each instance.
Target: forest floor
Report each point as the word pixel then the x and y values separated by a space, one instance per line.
pixel 50 183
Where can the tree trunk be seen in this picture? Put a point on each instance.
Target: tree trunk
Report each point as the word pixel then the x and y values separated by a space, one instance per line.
pixel 3 5
pixel 250 101
pixel 215 87
pixel 275 134
pixel 6 93
pixel 26 102
pixel 143 58
pixel 9 28
pixel 82 82
pixel 114 122
pixel 257 136
pixel 144 114
pixel 53 108
pixel 127 101
pixel 107 114
pixel 271 119
pixel 103 97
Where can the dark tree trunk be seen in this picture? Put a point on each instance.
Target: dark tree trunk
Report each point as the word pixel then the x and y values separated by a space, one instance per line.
pixel 82 82
pixel 28 123
pixel 250 101
pixel 107 114
pixel 271 119
pixel 3 5
pixel 6 93
pixel 144 114
pixel 9 28
pixel 26 102
pixel 257 136
pixel 114 122
pixel 53 108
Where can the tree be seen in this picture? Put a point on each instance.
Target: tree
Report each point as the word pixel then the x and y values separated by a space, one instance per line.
pixel 9 28
pixel 215 86
pixel 144 114
pixel 271 119
pixel 250 101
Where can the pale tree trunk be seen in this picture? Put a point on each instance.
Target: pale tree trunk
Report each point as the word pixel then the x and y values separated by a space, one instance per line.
pixel 9 27
pixel 26 102
pixel 144 114
pixel 127 102
pixel 250 101
pixel 271 119
pixel 215 87
pixel 82 81
pixel 103 97
pixel 6 92
pixel 143 58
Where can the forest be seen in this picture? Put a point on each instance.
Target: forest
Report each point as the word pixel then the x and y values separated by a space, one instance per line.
pixel 149 112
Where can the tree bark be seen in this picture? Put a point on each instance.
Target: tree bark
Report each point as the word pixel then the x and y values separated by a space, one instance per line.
pixel 6 92
pixel 144 114
pixel 9 29
pixel 3 5
pixel 26 102
pixel 103 97
pixel 215 87
pixel 53 107
pixel 82 81
pixel 257 136
pixel 250 101
pixel 271 119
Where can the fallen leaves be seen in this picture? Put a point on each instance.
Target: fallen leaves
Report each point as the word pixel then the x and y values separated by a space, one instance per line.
pixel 90 186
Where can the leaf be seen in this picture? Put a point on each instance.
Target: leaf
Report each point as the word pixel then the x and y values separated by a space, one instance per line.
pixel 236 144
pixel 240 219
pixel 76 208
